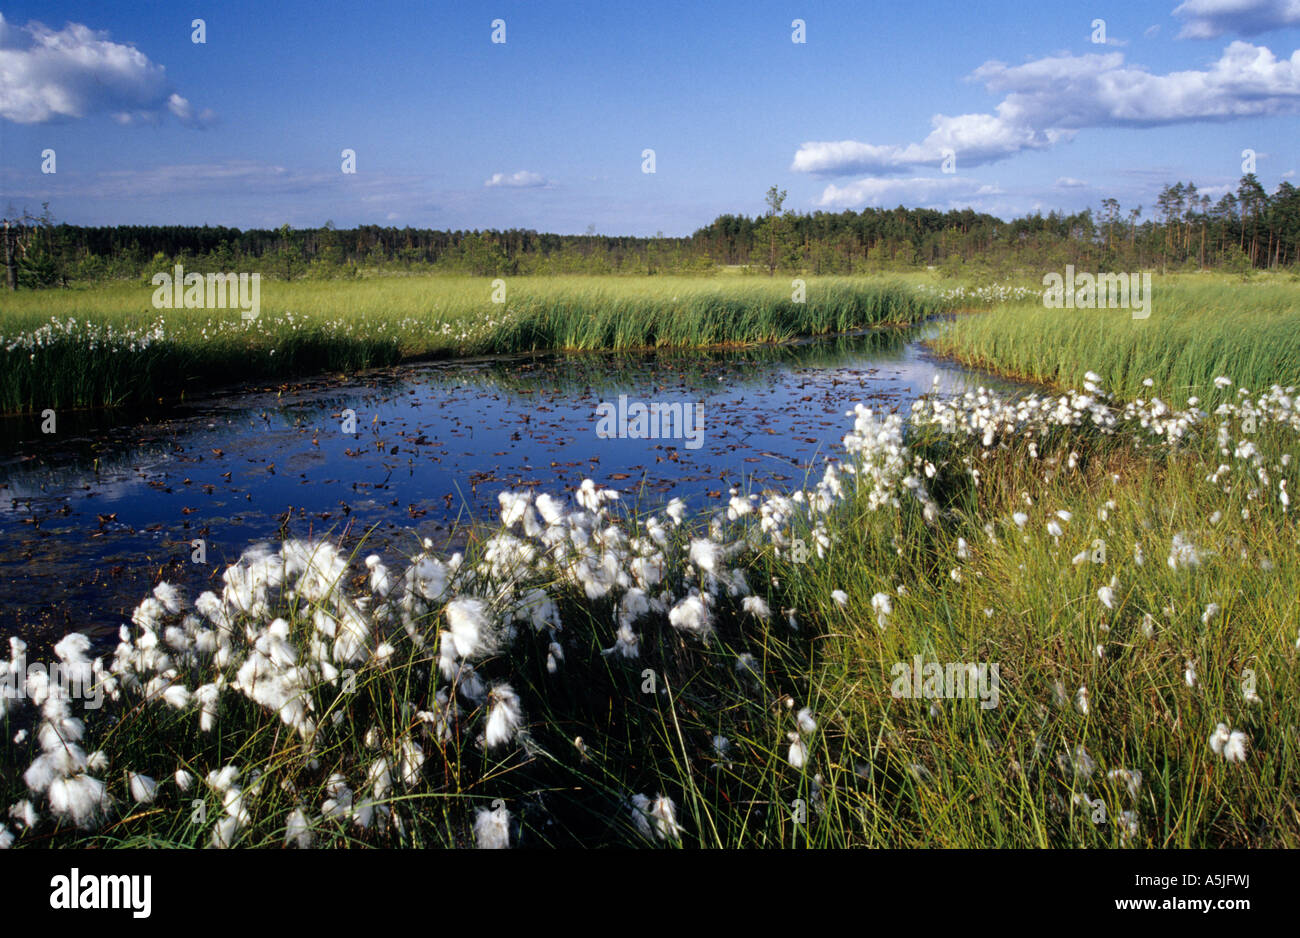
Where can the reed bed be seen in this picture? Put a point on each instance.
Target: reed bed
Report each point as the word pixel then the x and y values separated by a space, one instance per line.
pixel 108 346
pixel 1197 331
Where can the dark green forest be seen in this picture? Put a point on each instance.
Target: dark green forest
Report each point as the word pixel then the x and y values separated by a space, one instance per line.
pixel 1243 230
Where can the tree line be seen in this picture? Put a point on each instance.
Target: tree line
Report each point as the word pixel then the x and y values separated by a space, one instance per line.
pixel 1243 230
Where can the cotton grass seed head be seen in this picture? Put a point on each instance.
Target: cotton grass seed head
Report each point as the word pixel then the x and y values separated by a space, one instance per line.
pixel 492 828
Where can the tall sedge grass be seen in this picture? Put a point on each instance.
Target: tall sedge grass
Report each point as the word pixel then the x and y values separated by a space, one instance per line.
pixel 1196 332
pixel 108 346
pixel 956 776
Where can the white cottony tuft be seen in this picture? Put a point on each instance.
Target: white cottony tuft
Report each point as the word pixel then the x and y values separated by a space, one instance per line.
pixel 798 754
pixel 504 716
pixel 1230 744
pixel 1219 738
pixel 297 831
pixel 691 614
pixel 884 608
pixel 664 814
pixel 468 621
pixel 143 788
pixel 492 828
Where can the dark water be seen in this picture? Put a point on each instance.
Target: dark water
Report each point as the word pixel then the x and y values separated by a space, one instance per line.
pixel 94 514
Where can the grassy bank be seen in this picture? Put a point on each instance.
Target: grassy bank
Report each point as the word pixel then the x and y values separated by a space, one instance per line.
pixel 1200 327
pixel 108 346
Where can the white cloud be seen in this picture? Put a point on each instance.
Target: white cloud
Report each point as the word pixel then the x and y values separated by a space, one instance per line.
pixel 1151 31
pixel 1048 100
pixel 1209 19
pixel 1215 192
pixel 1069 182
pixel 520 180
pixel 1067 94
pixel 48 75
pixel 919 190
pixel 182 108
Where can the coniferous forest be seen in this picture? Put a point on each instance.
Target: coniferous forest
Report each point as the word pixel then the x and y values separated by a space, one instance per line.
pixel 1248 229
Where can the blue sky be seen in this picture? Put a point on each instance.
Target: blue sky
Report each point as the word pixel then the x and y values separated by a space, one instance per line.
pixel 247 129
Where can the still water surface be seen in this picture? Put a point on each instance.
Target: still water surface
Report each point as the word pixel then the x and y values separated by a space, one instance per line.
pixel 95 514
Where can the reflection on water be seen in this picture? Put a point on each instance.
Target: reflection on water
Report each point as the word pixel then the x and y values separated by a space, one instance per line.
pixel 93 515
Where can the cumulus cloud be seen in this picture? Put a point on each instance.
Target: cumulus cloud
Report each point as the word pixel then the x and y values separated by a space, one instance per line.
pixel 1047 101
pixel 1066 93
pixel 1209 19
pixel 520 180
pixel 48 75
pixel 1069 182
